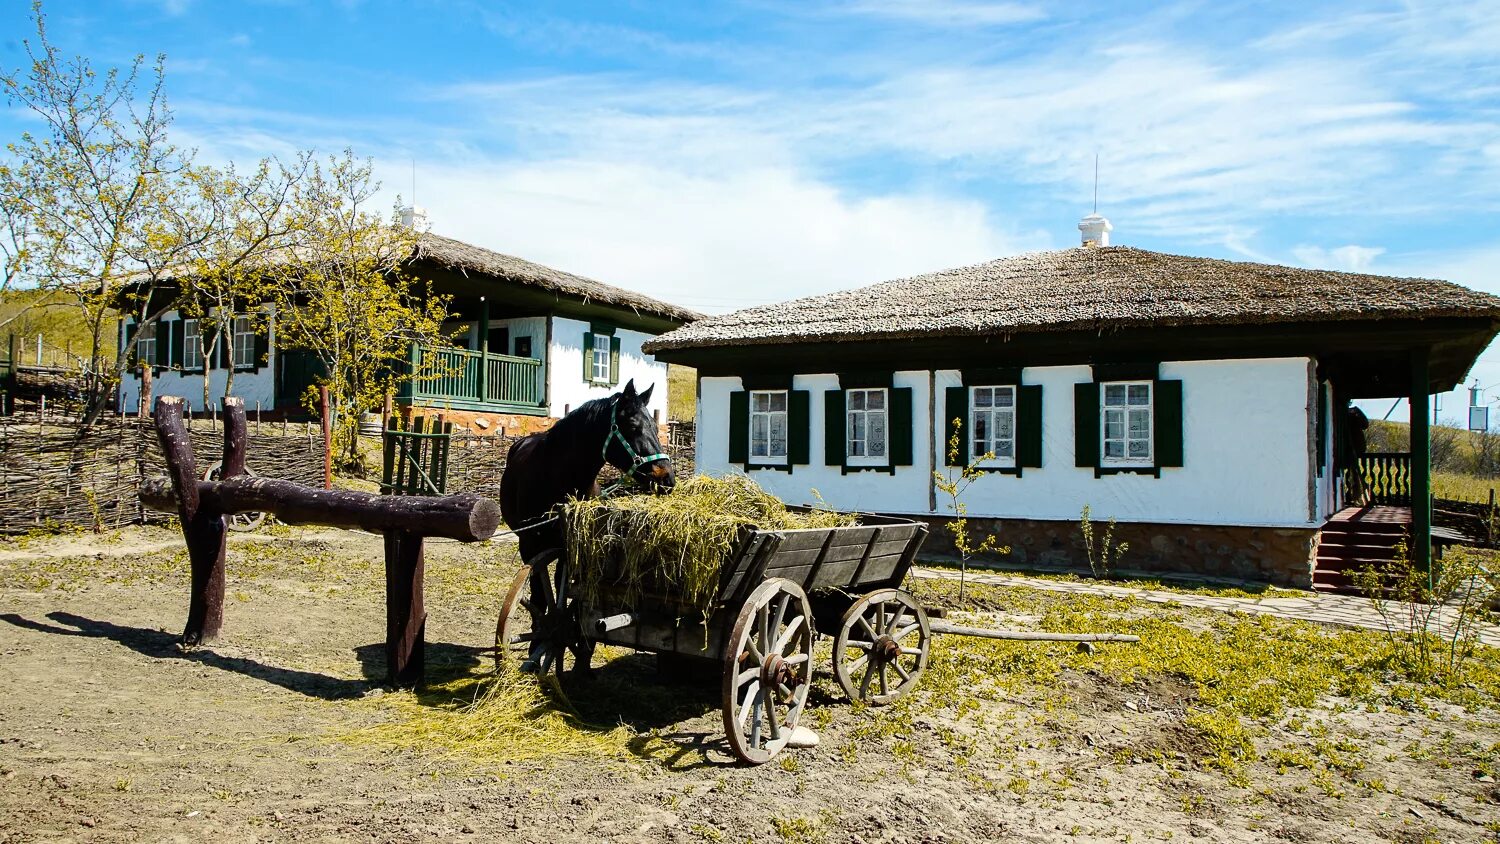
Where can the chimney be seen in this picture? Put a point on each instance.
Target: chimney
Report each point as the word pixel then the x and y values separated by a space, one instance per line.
pixel 1095 230
pixel 415 217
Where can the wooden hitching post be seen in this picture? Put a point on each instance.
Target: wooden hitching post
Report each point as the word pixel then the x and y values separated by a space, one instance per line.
pixel 405 617
pixel 203 528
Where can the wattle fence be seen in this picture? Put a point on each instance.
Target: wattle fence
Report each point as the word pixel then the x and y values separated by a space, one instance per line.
pixel 57 475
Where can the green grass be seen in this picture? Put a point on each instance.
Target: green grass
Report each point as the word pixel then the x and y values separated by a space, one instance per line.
pixel 682 393
pixel 1463 487
pixel 1213 590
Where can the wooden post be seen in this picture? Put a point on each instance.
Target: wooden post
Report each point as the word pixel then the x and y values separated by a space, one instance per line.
pixel 326 413
pixel 484 348
pixel 1421 464
pixel 405 618
pixel 202 528
pixel 144 405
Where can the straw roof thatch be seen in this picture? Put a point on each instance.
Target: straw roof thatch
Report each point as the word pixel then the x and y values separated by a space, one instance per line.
pixel 463 257
pixel 1083 289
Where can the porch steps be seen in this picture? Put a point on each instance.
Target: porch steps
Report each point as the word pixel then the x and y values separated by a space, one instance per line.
pixel 1354 539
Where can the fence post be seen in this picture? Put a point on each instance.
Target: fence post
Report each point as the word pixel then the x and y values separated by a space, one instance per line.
pixel 326 413
pixel 144 408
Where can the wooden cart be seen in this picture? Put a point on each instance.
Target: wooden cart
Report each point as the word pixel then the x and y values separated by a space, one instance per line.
pixel 776 592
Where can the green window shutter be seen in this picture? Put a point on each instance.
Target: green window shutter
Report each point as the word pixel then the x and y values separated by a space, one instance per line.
pixel 1168 421
pixel 956 409
pixel 1086 424
pixel 1029 425
pixel 588 356
pixel 1322 426
pixel 833 428
pixel 614 361
pixel 163 343
pixel 739 427
pixel 179 336
pixel 901 426
pixel 799 427
pixel 262 346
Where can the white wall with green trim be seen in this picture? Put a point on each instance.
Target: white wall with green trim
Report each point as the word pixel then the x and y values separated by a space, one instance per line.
pixel 256 383
pixel 1246 452
pixel 567 387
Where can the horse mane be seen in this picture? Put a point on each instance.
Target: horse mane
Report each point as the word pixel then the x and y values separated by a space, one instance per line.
pixel 588 414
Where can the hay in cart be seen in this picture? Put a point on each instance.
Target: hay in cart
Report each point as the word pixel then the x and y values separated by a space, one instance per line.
pixel 676 545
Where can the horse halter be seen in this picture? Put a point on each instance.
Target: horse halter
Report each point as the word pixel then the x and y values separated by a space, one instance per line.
pixel 614 434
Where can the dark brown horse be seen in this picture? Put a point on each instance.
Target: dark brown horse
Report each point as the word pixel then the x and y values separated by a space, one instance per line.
pixel 544 470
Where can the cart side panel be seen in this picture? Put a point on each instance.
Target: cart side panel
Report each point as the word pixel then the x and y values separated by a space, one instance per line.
pixel 747 569
pixel 889 557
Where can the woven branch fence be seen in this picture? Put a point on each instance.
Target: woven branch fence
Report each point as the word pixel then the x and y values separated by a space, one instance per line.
pixel 57 475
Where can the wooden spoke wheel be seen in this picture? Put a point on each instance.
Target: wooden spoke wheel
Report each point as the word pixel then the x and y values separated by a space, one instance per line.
pixel 767 670
pixel 243 522
pixel 538 629
pixel 882 647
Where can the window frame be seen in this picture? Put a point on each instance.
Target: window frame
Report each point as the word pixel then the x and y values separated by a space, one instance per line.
pixel 192 341
pixel 247 360
pixel 866 459
pixel 594 359
pixel 997 461
pixel 1127 461
pixel 147 333
pixel 770 414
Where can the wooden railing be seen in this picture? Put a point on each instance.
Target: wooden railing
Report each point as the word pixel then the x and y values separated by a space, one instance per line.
pixel 1384 479
pixel 462 376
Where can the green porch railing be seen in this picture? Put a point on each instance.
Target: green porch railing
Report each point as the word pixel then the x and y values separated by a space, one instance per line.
pixel 476 380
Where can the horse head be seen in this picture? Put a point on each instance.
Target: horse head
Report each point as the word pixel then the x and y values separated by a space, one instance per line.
pixel 632 445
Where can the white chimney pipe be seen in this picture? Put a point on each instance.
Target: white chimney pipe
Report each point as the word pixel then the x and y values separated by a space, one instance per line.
pixel 415 217
pixel 1095 230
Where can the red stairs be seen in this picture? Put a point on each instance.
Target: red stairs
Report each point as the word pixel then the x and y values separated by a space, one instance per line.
pixel 1355 538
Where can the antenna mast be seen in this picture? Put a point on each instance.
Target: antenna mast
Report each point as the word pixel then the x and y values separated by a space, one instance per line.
pixel 1096 183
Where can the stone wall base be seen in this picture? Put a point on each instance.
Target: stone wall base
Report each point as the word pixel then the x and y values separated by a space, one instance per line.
pixel 481 422
pixel 1281 556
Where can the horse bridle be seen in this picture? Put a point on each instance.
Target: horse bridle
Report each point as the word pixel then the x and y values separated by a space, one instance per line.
pixel 614 434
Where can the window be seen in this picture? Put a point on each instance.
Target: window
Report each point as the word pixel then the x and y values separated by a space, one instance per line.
pixel 145 344
pixel 867 427
pixel 599 367
pixel 1126 422
pixel 768 426
pixel 192 346
pixel 244 343
pixel 992 426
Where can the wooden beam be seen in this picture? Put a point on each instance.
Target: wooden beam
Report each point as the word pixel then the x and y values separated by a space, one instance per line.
pixel 1421 463
pixel 465 516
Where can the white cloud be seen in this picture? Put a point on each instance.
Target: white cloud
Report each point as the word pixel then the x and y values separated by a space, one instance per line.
pixel 711 242
pixel 1352 258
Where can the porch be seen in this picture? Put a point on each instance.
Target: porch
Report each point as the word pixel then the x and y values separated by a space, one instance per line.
pixel 462 379
pixel 1377 516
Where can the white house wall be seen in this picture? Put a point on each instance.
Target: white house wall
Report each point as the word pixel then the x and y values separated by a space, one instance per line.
pixel 257 387
pixel 567 387
pixel 1245 441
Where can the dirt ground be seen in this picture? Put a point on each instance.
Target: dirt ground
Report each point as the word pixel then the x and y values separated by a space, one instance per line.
pixel 109 733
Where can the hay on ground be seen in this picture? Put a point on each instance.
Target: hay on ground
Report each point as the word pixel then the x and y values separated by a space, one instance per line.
pixel 675 545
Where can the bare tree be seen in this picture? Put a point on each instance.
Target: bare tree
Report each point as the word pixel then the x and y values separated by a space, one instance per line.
pixel 94 184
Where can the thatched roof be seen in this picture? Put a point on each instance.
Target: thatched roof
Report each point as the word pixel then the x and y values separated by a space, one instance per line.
pixel 466 258
pixel 1083 288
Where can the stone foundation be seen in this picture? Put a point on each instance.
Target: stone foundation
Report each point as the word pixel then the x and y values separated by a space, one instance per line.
pixel 480 422
pixel 1281 556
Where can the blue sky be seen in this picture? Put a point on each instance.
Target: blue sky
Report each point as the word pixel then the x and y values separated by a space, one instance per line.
pixel 728 154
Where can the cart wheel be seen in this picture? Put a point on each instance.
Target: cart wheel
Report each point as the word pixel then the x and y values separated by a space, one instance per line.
pixel 243 522
pixel 767 669
pixel 534 633
pixel 882 647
